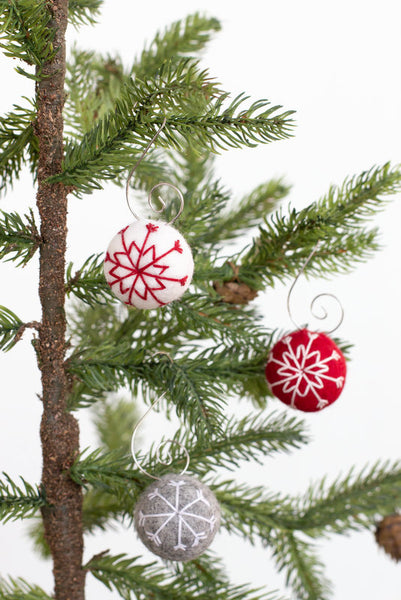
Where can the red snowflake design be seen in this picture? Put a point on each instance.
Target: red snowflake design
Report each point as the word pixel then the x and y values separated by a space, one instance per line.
pixel 139 268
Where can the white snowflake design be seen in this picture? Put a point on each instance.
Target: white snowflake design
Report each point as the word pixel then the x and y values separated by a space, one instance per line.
pixel 304 371
pixel 177 513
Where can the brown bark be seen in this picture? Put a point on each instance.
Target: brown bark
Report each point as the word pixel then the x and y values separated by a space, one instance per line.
pixel 59 429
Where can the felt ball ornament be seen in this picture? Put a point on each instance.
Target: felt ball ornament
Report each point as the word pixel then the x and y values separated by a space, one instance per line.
pixel 306 370
pixel 148 264
pixel 177 517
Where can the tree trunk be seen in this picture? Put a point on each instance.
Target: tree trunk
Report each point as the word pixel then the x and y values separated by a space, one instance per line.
pixel 59 429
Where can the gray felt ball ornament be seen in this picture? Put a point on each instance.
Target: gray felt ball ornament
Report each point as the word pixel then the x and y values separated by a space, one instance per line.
pixel 177 517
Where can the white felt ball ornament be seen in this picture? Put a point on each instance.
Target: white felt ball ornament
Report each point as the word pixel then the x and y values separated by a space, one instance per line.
pixel 148 264
pixel 177 517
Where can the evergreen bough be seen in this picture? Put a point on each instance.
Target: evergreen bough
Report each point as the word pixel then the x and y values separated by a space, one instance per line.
pixel 198 349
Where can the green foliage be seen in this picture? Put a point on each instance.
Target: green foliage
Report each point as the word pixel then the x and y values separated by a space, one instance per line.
pixel 352 502
pixel 10 325
pixel 207 316
pixel 88 283
pixel 131 579
pixel 249 212
pixel 37 535
pixel 187 98
pixel 178 40
pixel 18 144
pixel 83 12
pixel 304 571
pixel 94 83
pixel 336 220
pixel 18 502
pixel 24 29
pixel 108 470
pixel 105 368
pixel 18 589
pixel 247 439
pixel 19 239
pixel 115 420
pixel 206 572
pixel 252 513
pixel 114 142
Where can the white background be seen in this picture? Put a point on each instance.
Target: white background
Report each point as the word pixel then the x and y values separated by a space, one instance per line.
pixel 339 66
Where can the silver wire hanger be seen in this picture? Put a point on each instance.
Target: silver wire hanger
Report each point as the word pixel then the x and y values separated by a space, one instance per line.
pixel 163 461
pixel 323 314
pixel 155 187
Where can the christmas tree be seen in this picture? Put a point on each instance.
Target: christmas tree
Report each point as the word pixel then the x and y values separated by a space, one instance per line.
pixel 203 350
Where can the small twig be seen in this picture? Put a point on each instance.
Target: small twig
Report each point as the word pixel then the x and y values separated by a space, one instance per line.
pixel 94 558
pixel 20 332
pixel 72 281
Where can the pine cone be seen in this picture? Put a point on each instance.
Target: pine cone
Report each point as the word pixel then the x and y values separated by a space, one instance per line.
pixel 233 292
pixel 388 536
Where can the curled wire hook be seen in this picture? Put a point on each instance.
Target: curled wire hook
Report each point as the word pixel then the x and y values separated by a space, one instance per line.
pixel 155 187
pixel 324 314
pixel 163 461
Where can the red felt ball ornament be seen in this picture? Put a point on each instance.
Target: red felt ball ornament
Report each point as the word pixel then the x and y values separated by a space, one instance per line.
pixel 306 370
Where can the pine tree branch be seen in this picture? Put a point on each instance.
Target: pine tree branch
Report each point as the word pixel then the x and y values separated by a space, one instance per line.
pixel 178 40
pixel 304 571
pixel 88 283
pixel 101 510
pixel 115 421
pixel 203 207
pixel 187 318
pixel 109 368
pixel 185 96
pixel 224 127
pixel 115 141
pixel 248 439
pixel 286 241
pixel 37 535
pixel 24 25
pixel 10 326
pixel 82 396
pixel 94 83
pixel 351 502
pixel 18 589
pixel 108 470
pixel 18 143
pixel 105 368
pixel 207 572
pixel 83 12
pixel 203 571
pixel 197 382
pixel 207 316
pixel 128 577
pixel 250 211
pixel 251 512
pixel 19 502
pixel 19 238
